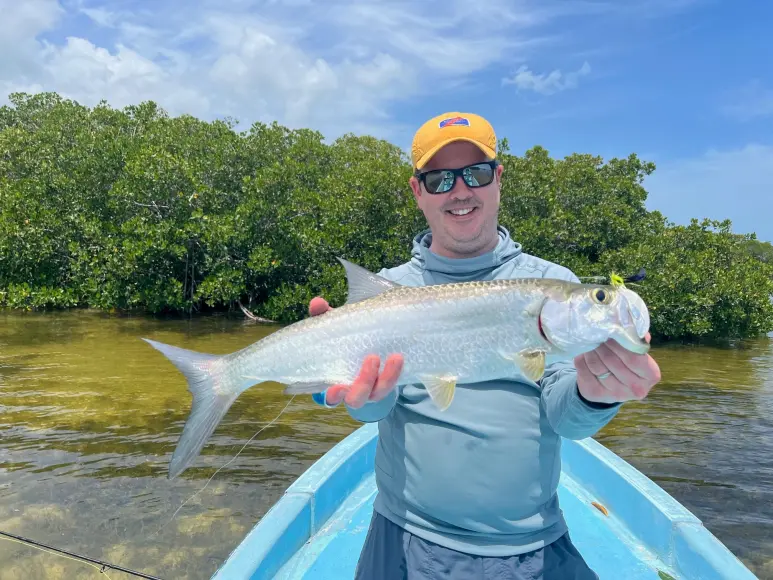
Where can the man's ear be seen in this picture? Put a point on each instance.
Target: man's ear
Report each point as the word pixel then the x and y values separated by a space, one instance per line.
pixel 415 187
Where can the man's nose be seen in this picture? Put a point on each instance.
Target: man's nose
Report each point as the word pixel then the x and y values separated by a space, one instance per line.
pixel 460 190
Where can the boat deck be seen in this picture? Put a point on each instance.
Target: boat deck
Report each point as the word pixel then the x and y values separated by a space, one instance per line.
pixel 332 552
pixel 317 529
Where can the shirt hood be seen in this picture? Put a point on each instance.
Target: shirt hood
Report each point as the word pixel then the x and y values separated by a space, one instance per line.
pixel 461 269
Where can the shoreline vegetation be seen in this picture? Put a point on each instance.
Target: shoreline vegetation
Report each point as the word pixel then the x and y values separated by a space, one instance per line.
pixel 134 210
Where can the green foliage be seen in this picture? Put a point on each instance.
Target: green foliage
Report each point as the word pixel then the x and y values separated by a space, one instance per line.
pixel 701 282
pixel 573 211
pixel 132 209
pixel 763 251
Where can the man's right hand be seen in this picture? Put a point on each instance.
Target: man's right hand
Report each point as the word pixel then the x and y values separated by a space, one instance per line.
pixel 369 385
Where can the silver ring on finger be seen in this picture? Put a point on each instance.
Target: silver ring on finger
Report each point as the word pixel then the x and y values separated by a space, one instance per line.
pixel 603 376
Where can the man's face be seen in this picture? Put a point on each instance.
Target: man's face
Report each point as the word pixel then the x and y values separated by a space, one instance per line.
pixel 460 236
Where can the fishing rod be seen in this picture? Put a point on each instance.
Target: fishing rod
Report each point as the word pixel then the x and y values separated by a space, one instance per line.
pixel 104 565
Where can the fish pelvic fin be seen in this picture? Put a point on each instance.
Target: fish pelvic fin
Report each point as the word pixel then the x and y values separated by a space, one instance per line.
pixel 213 394
pixel 441 389
pixel 364 284
pixel 530 362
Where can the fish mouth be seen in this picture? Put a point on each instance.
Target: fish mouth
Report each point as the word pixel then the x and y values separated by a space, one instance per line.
pixel 636 321
pixel 629 339
pixel 637 310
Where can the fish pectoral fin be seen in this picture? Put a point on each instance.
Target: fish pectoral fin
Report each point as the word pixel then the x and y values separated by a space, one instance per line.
pixel 530 362
pixel 306 388
pixel 364 284
pixel 441 389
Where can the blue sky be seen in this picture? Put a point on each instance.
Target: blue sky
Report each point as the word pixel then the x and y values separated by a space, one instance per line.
pixel 687 84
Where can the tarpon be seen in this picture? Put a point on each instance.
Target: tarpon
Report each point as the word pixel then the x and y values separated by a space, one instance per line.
pixel 463 332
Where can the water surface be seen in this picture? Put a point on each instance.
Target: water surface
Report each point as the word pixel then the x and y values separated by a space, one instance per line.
pixel 90 414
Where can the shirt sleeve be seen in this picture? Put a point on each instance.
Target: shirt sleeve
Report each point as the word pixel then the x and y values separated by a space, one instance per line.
pixel 370 412
pixel 569 414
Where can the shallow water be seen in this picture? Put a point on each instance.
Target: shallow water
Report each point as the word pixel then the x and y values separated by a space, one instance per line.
pixel 89 416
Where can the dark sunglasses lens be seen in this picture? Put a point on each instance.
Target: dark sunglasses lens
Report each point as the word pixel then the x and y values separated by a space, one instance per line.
pixel 478 175
pixel 439 181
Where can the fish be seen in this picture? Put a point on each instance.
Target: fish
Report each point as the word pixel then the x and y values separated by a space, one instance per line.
pixel 448 334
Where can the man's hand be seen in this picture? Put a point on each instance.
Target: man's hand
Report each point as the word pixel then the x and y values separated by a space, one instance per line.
pixel 613 374
pixel 369 385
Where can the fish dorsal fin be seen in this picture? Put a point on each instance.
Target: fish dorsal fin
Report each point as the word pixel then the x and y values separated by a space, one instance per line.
pixel 364 284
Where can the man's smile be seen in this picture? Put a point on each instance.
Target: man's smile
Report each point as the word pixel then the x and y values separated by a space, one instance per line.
pixel 462 212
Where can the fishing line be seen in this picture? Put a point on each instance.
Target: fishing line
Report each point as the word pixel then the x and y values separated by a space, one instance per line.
pixel 73 556
pixel 225 465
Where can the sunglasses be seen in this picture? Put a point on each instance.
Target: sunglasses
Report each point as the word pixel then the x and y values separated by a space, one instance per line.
pixel 443 180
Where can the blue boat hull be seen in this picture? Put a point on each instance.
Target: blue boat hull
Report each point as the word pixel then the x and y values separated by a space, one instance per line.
pixel 624 524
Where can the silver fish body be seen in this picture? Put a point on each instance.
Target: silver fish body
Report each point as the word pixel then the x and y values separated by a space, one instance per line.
pixel 452 333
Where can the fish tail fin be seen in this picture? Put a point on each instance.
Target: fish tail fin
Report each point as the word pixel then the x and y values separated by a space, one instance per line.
pixel 213 394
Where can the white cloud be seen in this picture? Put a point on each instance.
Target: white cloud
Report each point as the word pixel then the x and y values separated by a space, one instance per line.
pixel 750 102
pixel 547 84
pixel 336 66
pixel 733 184
pixel 213 64
pixel 336 69
pixel 83 71
pixel 445 37
pixel 20 24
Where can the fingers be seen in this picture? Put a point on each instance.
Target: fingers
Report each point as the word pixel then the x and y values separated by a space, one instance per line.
pixel 630 375
pixel 363 384
pixel 318 305
pixel 614 364
pixel 584 374
pixel 601 361
pixel 388 378
pixel 590 387
pixel 369 385
pixel 595 364
pixel 641 364
pixel 336 394
pixel 607 390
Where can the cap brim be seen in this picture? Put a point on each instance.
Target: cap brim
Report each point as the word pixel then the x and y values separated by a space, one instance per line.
pixel 424 159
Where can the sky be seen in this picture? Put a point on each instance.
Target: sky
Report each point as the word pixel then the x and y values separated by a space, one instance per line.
pixel 687 84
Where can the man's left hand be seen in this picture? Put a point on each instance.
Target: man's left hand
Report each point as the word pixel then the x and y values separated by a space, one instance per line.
pixel 613 374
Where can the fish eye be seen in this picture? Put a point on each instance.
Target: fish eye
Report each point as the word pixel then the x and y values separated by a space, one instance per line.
pixel 601 296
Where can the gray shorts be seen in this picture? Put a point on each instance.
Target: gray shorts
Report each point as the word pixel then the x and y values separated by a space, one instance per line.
pixel 391 553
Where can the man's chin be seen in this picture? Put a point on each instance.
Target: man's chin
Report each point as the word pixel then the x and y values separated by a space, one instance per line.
pixel 470 242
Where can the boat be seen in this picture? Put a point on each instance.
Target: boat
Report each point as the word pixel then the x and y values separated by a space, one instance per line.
pixel 624 524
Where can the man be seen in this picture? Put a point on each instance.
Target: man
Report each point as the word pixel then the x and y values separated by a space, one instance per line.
pixel 471 492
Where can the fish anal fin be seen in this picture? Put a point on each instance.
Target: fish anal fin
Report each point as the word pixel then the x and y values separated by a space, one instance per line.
pixel 530 362
pixel 441 389
pixel 364 284
pixel 306 388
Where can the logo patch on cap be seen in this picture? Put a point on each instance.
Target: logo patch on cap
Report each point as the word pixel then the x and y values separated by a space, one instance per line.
pixel 454 121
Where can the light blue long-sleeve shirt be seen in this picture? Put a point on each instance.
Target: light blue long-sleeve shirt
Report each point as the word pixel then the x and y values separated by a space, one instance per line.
pixel 480 477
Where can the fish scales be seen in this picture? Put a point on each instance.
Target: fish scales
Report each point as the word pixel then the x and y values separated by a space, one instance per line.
pixel 454 328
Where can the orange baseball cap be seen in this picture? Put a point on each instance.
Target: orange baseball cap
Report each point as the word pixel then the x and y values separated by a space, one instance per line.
pixel 448 127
